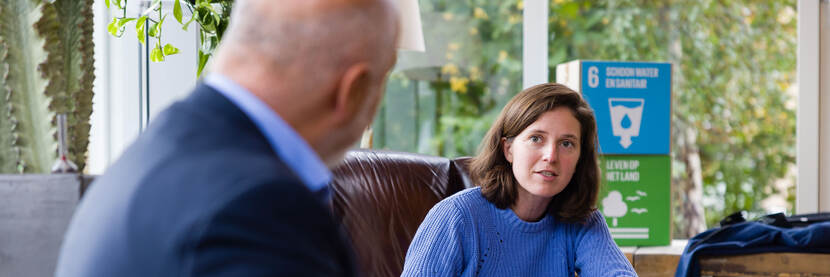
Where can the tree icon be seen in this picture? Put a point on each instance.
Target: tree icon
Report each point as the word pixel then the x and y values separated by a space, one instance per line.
pixel 613 206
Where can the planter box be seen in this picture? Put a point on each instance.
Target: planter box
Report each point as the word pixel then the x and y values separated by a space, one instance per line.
pixel 35 211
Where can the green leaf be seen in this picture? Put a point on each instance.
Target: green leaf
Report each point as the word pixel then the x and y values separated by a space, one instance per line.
pixel 113 27
pixel 118 4
pixel 156 55
pixel 169 49
pixel 139 28
pixel 177 11
pixel 203 59
pixel 206 18
pixel 156 30
pixel 107 2
pixel 192 18
pixel 124 21
pixel 570 10
pixel 205 4
pixel 121 23
pixel 153 32
pixel 116 26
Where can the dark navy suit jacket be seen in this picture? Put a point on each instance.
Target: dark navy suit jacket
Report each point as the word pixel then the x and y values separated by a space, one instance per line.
pixel 202 193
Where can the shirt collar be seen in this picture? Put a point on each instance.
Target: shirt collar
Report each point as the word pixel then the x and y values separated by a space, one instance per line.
pixel 292 149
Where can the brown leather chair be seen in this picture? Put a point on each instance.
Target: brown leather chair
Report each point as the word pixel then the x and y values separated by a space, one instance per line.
pixel 381 198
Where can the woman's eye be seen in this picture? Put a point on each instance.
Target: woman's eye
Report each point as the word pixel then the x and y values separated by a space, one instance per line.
pixel 568 144
pixel 535 138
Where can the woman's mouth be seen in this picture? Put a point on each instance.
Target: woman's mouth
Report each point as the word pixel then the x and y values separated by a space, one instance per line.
pixel 547 173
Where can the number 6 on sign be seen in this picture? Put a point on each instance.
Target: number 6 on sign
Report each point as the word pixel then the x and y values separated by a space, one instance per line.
pixel 593 76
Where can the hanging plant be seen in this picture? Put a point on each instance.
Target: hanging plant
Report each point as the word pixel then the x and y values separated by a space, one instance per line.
pixel 211 16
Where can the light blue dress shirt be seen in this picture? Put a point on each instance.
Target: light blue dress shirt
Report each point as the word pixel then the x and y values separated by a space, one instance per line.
pixel 292 149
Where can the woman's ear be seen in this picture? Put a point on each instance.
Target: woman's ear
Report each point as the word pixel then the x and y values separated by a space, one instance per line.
pixel 506 146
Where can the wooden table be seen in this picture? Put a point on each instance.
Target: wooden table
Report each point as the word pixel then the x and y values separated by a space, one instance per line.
pixel 655 260
pixel 662 261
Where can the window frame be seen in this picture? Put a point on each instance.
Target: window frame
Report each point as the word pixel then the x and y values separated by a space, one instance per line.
pixel 812 191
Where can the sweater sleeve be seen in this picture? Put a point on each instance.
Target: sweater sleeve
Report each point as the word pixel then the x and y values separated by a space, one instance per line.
pixel 596 252
pixel 436 249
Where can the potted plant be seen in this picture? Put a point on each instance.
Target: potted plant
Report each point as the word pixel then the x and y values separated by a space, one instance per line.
pixel 46 70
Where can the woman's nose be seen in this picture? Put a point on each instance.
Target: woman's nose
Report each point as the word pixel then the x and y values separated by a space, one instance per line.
pixel 549 153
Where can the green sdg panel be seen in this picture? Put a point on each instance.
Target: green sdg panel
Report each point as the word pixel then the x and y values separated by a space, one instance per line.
pixel 635 199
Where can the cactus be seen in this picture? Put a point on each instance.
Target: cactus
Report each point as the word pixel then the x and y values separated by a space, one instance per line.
pixel 47 66
pixel 70 65
pixel 27 105
pixel 8 155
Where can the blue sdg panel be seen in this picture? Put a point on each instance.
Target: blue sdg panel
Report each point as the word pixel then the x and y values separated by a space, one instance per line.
pixel 632 103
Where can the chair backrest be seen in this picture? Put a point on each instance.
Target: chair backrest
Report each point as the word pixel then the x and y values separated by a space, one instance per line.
pixel 382 197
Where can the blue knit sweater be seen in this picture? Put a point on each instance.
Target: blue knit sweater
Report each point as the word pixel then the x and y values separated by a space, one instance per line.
pixel 466 235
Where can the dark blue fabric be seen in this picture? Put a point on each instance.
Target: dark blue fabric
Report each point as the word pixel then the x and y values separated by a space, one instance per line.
pixel 201 193
pixel 750 238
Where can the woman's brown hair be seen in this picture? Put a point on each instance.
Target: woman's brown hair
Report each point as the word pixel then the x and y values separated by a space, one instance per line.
pixel 493 173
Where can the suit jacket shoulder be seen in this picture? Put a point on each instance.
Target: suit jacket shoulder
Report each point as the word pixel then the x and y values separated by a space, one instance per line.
pixel 201 192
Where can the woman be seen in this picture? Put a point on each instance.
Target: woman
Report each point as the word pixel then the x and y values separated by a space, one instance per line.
pixel 533 212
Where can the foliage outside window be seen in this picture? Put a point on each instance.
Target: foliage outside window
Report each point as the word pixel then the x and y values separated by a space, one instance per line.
pixel 442 102
pixel 733 122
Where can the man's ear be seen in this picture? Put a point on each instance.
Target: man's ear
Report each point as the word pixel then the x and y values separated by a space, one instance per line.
pixel 352 91
pixel 505 146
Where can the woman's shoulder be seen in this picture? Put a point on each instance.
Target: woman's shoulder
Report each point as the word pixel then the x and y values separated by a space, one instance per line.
pixel 593 225
pixel 592 220
pixel 596 219
pixel 463 203
pixel 469 196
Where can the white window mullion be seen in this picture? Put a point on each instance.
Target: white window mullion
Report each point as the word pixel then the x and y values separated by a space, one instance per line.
pixel 807 129
pixel 535 44
pixel 824 108
pixel 101 119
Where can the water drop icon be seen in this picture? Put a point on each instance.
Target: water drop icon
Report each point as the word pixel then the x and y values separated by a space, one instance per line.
pixel 626 122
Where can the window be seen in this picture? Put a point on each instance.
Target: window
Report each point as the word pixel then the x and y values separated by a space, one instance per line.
pixel 734 88
pixel 441 102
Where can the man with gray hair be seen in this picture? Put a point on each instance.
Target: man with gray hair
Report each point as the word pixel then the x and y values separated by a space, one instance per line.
pixel 232 181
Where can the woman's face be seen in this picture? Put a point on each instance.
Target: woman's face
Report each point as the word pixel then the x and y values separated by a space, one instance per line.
pixel 544 155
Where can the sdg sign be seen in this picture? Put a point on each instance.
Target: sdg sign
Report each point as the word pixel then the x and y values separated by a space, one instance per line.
pixel 632 105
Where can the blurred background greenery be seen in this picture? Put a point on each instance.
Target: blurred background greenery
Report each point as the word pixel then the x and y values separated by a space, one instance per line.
pixel 734 90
